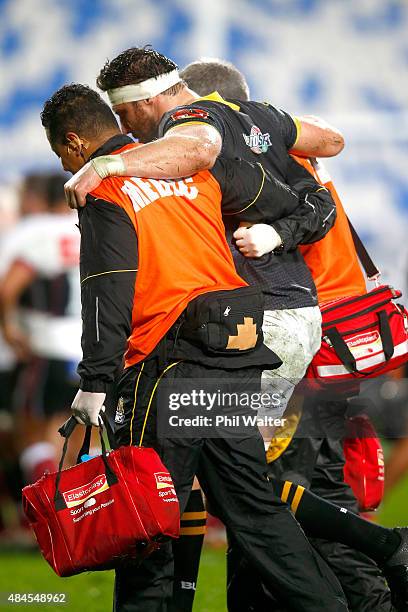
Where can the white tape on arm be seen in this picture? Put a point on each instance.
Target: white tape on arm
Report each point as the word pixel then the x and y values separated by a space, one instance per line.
pixel 109 165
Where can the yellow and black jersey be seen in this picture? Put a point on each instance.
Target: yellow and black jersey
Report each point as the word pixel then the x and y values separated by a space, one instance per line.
pixel 261 134
pixel 251 130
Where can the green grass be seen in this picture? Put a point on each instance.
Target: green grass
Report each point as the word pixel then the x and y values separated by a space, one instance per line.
pixel 29 573
pixel 394 510
pixel 211 586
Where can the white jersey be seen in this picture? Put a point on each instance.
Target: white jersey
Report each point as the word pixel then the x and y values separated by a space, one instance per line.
pixel 49 244
pixel 9 243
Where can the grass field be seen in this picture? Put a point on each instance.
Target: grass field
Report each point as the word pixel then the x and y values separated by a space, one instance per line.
pixel 27 572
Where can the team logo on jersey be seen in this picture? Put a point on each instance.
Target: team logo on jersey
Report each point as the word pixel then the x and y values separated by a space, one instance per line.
pixel 120 412
pixel 189 113
pixel 256 141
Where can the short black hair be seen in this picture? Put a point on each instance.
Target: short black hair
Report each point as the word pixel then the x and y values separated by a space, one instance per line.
pixel 134 66
pixel 47 186
pixel 54 183
pixel 35 183
pixel 76 108
pixel 213 74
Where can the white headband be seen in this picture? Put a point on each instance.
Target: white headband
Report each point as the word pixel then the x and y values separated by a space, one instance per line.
pixel 146 89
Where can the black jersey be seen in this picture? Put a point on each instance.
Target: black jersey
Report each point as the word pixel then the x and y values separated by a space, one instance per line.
pixel 260 133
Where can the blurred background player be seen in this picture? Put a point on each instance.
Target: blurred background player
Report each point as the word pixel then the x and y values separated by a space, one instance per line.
pixel 40 321
pixel 32 200
pixel 19 206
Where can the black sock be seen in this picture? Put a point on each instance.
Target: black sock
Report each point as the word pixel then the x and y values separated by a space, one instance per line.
pixel 322 519
pixel 187 552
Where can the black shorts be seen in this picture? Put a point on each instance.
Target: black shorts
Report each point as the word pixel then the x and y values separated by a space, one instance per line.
pixel 46 387
pixel 8 381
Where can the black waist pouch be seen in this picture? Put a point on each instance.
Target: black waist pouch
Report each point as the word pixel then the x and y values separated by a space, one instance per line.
pixel 224 329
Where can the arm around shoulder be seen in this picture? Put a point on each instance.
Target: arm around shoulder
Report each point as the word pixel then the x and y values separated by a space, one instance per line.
pixel 317 138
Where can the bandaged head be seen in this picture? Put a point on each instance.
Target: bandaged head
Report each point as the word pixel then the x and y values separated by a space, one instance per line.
pixel 144 90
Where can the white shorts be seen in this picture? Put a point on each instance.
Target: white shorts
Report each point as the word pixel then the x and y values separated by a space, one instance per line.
pixel 295 336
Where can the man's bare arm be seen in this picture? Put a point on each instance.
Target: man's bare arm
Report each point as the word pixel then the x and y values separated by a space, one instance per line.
pixel 186 149
pixel 317 138
pixel 18 277
pixel 183 151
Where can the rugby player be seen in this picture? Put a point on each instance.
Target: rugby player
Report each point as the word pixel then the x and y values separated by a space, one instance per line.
pixel 309 459
pixel 133 236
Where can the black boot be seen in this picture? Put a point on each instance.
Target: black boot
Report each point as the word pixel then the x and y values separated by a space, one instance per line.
pixel 395 570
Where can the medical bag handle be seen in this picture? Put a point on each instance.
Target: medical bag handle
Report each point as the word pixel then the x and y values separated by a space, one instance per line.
pixel 66 430
pixel 346 356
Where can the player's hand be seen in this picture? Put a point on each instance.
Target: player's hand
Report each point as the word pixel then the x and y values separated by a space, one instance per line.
pixel 79 185
pixel 257 240
pixel 18 341
pixel 87 406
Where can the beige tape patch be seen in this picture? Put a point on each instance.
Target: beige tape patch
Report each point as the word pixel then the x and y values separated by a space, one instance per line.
pixel 246 337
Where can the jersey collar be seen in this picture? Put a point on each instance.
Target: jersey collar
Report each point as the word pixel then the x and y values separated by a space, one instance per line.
pixel 113 144
pixel 216 97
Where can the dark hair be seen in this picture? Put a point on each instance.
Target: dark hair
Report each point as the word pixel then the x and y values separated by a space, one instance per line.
pixel 79 109
pixel 47 186
pixel 134 66
pixel 205 76
pixel 55 188
pixel 35 183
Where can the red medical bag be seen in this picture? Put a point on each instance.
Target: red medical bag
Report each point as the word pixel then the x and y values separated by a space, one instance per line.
pixel 362 336
pixel 364 467
pixel 92 516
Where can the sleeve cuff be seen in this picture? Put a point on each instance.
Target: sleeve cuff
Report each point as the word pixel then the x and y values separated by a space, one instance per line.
pixel 285 237
pixel 94 385
pixel 298 125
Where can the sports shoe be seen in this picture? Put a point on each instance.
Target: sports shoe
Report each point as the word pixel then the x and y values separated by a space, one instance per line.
pixel 395 570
